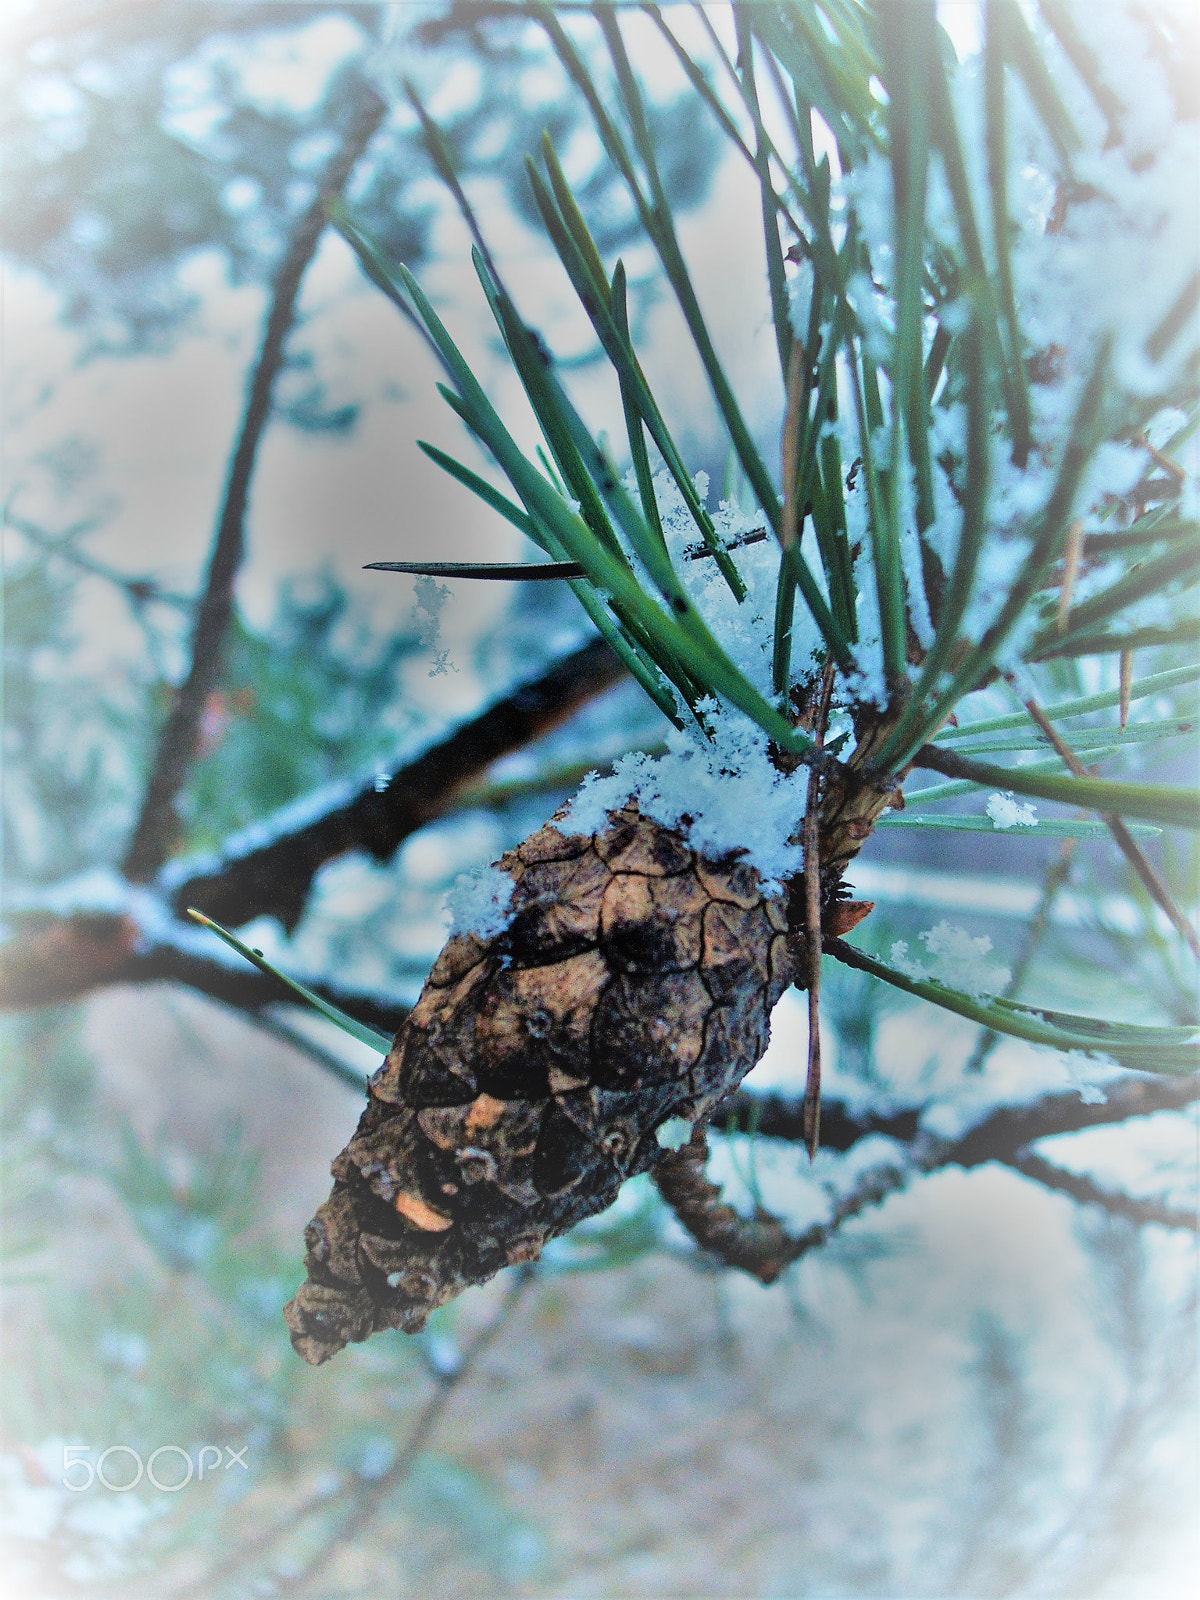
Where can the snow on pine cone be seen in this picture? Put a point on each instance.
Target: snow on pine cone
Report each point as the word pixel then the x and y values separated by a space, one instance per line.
pixel 634 982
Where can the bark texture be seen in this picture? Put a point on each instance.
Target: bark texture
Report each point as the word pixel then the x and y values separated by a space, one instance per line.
pixel 634 983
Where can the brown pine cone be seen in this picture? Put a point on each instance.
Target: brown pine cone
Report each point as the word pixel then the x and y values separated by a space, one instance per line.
pixel 633 983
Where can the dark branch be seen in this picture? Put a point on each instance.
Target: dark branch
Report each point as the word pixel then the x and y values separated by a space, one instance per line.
pixel 363 1499
pixel 1089 1193
pixel 177 743
pixel 998 1136
pixel 759 1245
pixel 779 1116
pixel 269 871
pixel 52 959
pixel 1008 1129
pixel 248 989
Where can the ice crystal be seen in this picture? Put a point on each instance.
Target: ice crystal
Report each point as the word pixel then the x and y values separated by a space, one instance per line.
pixel 478 902
pixel 1008 812
pixel 957 960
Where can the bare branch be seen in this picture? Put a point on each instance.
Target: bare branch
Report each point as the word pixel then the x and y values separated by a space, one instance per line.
pixel 52 959
pixel 1004 1131
pixel 1089 1193
pixel 365 1497
pixel 759 1245
pixel 138 591
pixel 177 742
pixel 779 1116
pixel 268 870
pixel 1132 852
pixel 998 1135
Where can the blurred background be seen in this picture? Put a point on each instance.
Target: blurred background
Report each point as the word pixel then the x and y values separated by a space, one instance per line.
pixel 981 1387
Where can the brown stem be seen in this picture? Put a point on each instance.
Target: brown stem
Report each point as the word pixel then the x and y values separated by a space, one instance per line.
pixel 1089 1193
pixel 177 742
pixel 812 922
pixel 55 959
pixel 759 1245
pixel 1129 848
pixel 273 878
pixel 997 1136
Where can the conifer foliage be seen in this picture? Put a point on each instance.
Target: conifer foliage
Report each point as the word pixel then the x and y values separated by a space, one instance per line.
pixel 968 492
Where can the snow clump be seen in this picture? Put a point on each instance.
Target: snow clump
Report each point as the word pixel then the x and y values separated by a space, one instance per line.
pixel 1006 811
pixel 958 960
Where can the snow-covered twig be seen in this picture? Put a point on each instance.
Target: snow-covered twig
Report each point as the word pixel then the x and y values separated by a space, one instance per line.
pixel 1089 1193
pixel 268 869
pixel 177 742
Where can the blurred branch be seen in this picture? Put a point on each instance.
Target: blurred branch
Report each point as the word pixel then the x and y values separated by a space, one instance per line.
pixel 51 959
pixel 1055 881
pixel 1153 884
pixel 762 1246
pixel 57 952
pixel 1089 1193
pixel 366 1496
pixel 138 591
pixel 153 835
pixel 998 1135
pixel 779 1116
pixel 268 870
pixel 759 1245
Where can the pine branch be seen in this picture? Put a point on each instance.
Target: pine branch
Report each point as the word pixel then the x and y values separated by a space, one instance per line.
pixel 55 956
pixel 178 740
pixel 52 959
pixel 268 870
pixel 1089 1193
pixel 760 1245
pixel 998 1136
pixel 365 1498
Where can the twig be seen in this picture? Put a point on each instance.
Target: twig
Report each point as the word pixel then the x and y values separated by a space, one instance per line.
pixel 178 740
pixel 1055 880
pixel 812 920
pixel 1128 846
pixel 58 958
pixel 366 1495
pixel 760 1245
pixel 998 1135
pixel 268 870
pixel 1087 1192
pixel 138 591
pixel 779 1116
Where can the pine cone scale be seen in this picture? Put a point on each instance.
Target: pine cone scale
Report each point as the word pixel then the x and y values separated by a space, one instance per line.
pixel 634 982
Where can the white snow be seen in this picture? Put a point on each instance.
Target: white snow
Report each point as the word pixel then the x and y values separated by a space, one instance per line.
pixel 1006 811
pixel 957 960
pixel 478 902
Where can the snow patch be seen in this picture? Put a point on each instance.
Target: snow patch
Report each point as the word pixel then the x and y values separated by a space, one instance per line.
pixel 722 794
pixel 957 960
pixel 478 902
pixel 1006 811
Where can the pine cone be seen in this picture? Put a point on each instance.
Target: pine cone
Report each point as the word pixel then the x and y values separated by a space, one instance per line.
pixel 634 982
